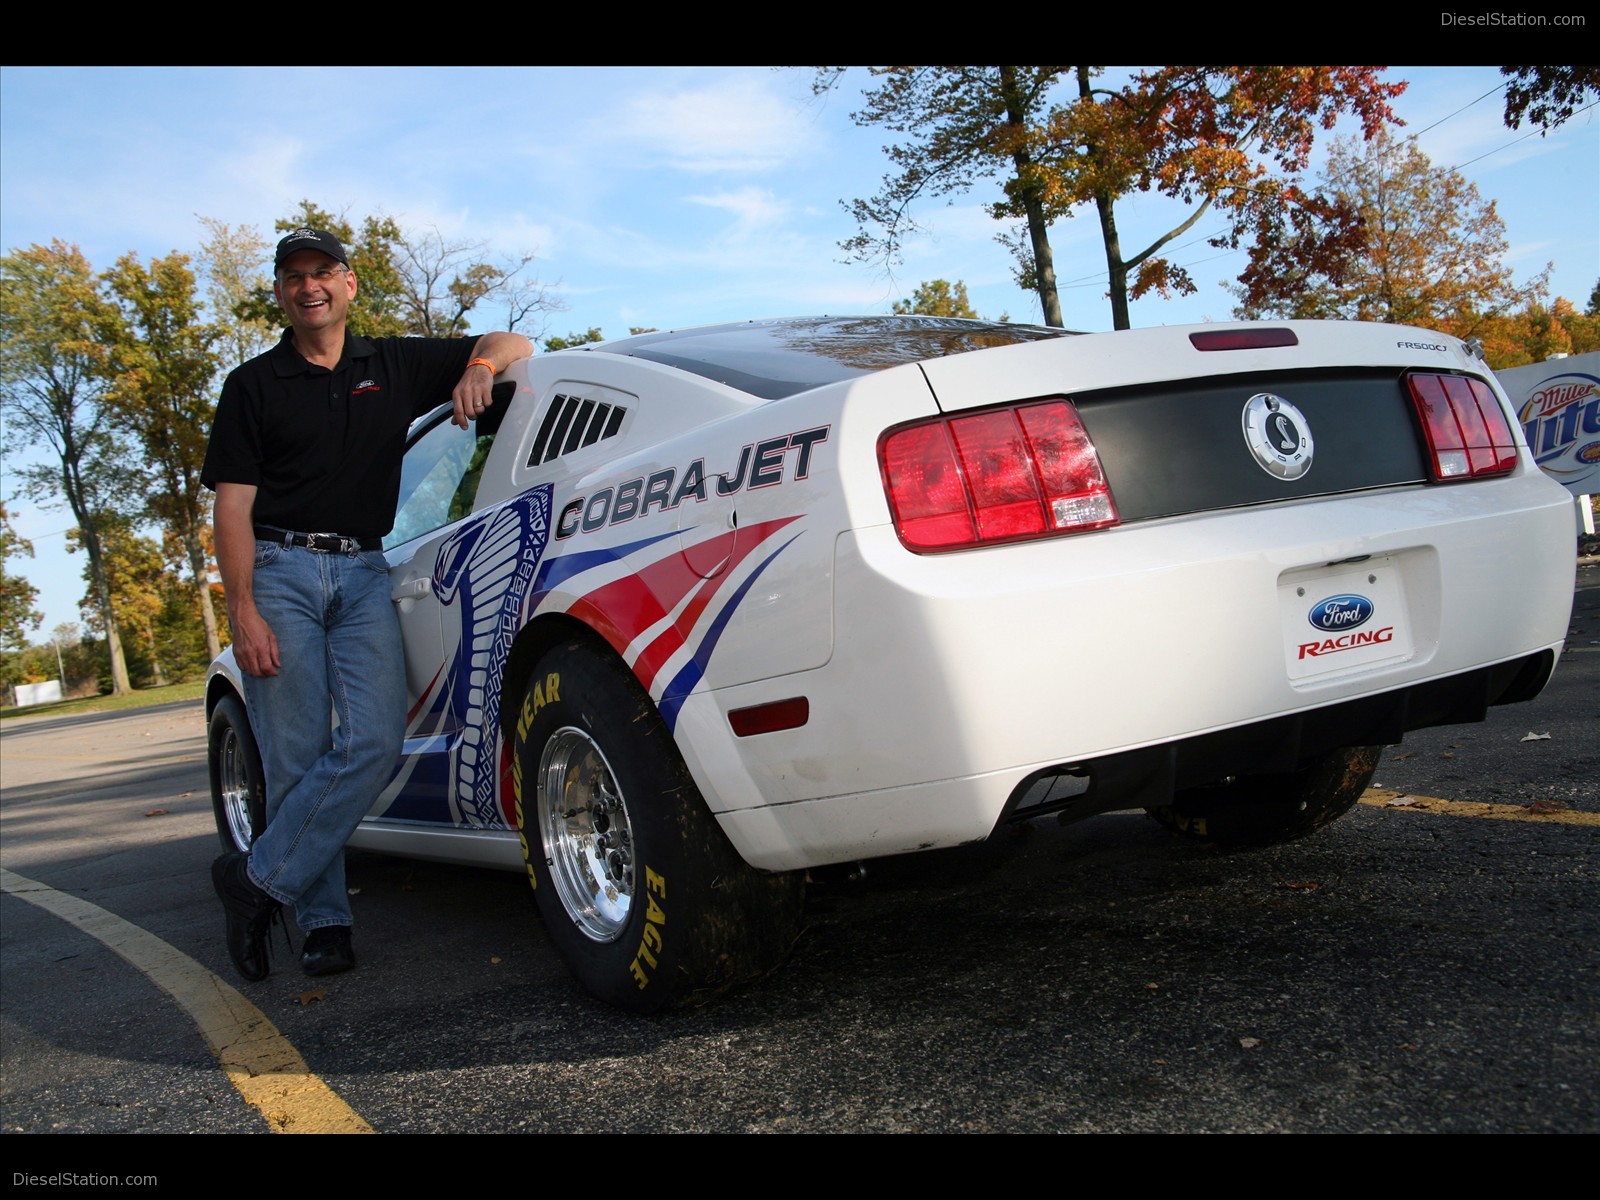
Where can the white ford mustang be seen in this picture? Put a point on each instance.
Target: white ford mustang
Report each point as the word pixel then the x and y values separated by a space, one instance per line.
pixel 690 612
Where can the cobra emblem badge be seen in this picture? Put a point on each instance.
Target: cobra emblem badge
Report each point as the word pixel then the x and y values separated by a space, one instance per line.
pixel 1278 436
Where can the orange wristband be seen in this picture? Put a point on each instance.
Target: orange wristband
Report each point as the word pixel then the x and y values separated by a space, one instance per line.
pixel 483 362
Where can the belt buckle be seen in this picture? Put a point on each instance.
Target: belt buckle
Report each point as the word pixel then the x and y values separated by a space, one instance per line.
pixel 330 543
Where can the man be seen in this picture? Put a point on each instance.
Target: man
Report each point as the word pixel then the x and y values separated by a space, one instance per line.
pixel 305 460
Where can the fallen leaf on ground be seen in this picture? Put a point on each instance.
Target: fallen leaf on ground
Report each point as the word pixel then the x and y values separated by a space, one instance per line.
pixel 494 960
pixel 156 812
pixel 1303 887
pixel 1401 802
pixel 1534 737
pixel 1152 987
pixel 1446 754
pixel 1547 806
pixel 310 997
pixel 1249 1043
pixel 1398 757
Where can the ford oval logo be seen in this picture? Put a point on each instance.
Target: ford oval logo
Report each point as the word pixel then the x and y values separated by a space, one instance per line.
pixel 1340 612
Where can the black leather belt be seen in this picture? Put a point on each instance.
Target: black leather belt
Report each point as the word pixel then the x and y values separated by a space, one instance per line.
pixel 322 543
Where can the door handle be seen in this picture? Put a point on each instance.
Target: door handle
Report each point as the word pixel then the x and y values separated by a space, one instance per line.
pixel 411 589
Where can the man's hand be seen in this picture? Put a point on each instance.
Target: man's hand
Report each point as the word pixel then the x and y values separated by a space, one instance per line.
pixel 492 353
pixel 473 394
pixel 255 646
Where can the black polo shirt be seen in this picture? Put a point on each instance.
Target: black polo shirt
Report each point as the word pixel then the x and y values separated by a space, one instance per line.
pixel 323 447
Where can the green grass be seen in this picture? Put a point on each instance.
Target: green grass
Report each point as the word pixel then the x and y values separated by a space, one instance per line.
pixel 195 689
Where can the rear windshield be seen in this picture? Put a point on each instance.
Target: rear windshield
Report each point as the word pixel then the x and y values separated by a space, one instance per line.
pixel 772 359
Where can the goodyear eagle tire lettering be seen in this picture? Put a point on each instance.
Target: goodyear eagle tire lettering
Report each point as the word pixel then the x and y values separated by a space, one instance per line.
pixel 1263 810
pixel 644 897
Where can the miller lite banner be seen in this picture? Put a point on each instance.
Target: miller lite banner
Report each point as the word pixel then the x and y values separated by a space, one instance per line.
pixel 1558 406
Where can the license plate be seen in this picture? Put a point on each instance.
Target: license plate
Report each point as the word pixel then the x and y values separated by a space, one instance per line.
pixel 1341 620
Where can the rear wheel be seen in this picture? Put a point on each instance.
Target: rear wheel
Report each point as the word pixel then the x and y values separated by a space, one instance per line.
pixel 1262 810
pixel 238 790
pixel 646 900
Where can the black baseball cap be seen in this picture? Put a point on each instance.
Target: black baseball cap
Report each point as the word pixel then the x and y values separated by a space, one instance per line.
pixel 309 239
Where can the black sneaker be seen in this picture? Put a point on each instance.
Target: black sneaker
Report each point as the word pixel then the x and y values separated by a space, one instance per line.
pixel 250 913
pixel 327 951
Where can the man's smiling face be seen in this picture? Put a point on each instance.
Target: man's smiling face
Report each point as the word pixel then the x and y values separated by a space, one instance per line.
pixel 313 304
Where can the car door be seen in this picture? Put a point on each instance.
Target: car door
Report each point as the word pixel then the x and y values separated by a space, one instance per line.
pixel 438 489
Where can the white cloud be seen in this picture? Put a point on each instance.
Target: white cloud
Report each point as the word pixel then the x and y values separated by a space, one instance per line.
pixel 750 206
pixel 735 123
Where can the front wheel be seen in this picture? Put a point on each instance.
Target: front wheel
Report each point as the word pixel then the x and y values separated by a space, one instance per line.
pixel 646 900
pixel 238 790
pixel 1263 810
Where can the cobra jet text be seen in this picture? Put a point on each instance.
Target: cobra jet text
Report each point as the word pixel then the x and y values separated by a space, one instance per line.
pixel 761 464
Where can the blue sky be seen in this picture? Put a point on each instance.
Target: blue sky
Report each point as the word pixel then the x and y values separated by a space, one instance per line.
pixel 651 196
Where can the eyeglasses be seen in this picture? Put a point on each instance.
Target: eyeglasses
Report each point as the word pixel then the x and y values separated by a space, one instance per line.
pixel 323 274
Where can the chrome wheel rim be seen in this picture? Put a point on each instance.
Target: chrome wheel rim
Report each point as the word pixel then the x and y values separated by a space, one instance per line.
pixel 588 842
pixel 233 778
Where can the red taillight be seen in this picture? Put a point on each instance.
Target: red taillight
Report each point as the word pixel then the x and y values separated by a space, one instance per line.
pixel 997 476
pixel 1467 431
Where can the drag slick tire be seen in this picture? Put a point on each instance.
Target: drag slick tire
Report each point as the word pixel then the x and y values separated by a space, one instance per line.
pixel 646 900
pixel 238 788
pixel 1263 810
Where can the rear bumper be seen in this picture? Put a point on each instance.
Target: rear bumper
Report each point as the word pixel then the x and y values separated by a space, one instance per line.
pixel 955 678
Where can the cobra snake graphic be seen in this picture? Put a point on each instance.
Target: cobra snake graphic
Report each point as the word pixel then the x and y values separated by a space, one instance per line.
pixel 486 566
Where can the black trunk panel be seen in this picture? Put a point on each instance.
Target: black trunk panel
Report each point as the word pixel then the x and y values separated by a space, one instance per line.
pixel 1178 448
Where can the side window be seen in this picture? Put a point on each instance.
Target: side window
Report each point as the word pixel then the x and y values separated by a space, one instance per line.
pixel 439 479
pixel 440 474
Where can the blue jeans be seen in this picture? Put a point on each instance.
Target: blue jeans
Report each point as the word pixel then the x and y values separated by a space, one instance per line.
pixel 340 658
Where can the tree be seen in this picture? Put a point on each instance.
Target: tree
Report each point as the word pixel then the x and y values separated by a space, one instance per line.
pixel 18 617
pixel 1231 139
pixel 1425 249
pixel 445 280
pixel 1237 139
pixel 74 658
pixel 1538 332
pixel 552 344
pixel 963 124
pixel 162 396
pixel 1548 96
pixel 137 577
pixel 231 260
pixel 937 298
pixel 55 330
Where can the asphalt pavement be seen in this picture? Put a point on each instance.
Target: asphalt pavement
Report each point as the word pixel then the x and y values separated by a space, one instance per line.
pixel 1430 963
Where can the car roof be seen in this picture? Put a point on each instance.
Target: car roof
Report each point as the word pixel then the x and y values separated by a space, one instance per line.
pixel 776 358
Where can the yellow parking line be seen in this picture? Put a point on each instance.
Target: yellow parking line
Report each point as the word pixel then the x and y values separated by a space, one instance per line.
pixel 260 1061
pixel 1386 798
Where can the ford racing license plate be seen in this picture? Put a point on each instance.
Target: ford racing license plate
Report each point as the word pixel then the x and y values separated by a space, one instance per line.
pixel 1344 619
